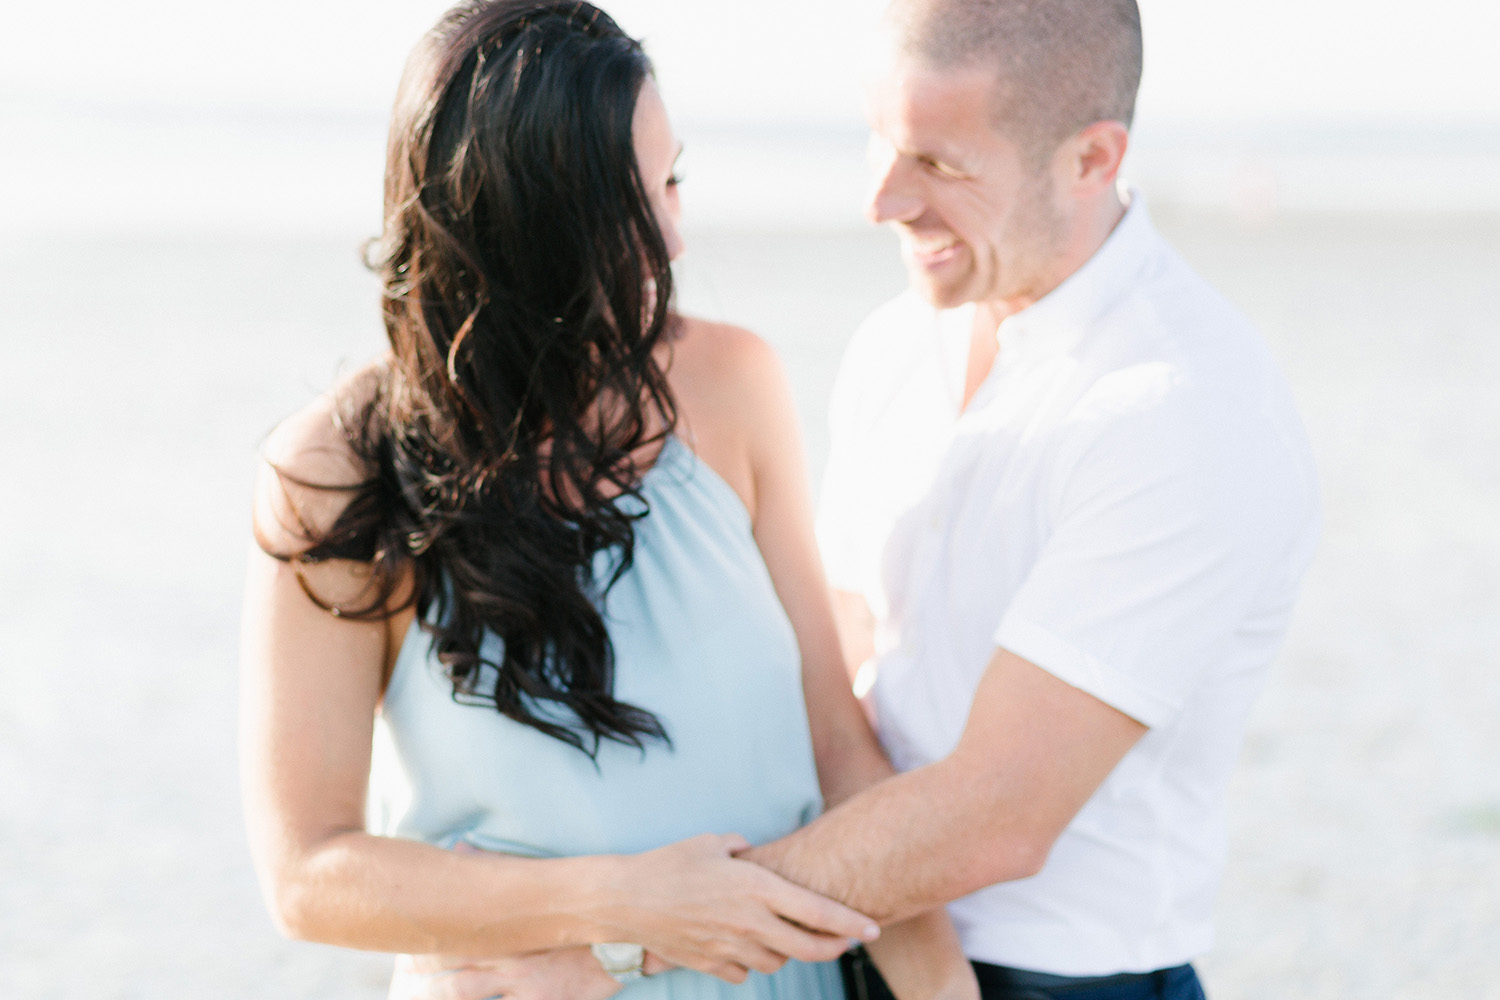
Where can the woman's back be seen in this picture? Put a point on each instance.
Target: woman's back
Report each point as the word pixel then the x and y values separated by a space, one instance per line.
pixel 700 641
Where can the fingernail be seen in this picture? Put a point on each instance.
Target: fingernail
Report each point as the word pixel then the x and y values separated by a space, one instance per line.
pixel 872 931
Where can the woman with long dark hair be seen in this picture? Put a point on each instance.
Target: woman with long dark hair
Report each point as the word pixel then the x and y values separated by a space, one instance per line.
pixel 557 540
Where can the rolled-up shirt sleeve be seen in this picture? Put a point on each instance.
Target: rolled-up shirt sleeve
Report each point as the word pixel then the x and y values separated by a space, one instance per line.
pixel 1169 513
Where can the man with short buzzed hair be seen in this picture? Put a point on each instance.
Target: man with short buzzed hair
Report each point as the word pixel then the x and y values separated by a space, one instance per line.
pixel 1058 67
pixel 1068 508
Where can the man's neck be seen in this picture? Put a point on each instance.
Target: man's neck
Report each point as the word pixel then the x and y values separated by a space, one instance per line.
pixel 1092 226
pixel 1085 234
pixel 984 347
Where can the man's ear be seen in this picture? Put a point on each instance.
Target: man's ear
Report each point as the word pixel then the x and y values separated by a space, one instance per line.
pixel 1090 160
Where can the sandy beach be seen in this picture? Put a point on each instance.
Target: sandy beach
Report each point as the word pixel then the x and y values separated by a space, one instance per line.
pixel 139 374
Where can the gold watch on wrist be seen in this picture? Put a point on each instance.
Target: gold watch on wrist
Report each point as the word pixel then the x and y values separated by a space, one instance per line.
pixel 621 959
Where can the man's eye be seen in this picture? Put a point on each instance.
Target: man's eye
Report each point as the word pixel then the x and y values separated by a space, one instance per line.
pixel 939 167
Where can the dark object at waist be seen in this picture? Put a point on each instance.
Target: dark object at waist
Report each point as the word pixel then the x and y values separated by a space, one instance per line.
pixel 1001 979
pixel 997 982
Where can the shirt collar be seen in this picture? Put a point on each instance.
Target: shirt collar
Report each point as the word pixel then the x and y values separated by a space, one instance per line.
pixel 1059 319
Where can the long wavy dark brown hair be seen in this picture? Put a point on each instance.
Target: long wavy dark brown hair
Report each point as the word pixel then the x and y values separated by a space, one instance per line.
pixel 526 285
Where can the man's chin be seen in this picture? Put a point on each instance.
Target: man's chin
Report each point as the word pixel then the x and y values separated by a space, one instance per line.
pixel 939 294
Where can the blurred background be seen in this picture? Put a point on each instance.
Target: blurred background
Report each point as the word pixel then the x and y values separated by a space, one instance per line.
pixel 184 188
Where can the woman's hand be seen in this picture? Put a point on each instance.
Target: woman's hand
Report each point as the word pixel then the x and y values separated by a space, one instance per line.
pixel 695 905
pixel 691 903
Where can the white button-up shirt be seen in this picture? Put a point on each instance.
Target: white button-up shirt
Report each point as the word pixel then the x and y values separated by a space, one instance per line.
pixel 1128 502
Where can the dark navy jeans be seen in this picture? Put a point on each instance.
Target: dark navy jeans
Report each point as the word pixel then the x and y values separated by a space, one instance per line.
pixel 863 982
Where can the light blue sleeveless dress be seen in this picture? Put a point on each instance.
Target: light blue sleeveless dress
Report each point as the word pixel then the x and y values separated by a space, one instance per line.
pixel 701 641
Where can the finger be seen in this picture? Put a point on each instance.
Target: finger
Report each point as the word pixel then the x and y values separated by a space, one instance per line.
pixel 471 984
pixel 817 914
pixel 715 962
pixel 429 964
pixel 745 953
pixel 758 957
pixel 734 843
pixel 791 941
pixel 654 963
pixel 730 972
pixel 730 955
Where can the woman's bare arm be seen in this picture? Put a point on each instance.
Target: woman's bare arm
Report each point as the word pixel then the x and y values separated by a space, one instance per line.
pixel 921 957
pixel 310 687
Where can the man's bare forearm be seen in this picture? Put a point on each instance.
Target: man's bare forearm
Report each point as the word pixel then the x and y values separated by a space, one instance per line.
pixel 901 847
pixel 1032 753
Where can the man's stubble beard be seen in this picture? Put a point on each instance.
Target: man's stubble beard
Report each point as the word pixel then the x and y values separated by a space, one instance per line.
pixel 1034 238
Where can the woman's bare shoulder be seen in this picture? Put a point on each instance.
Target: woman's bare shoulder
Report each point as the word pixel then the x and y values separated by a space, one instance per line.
pixel 731 361
pixel 310 467
pixel 713 338
pixel 733 403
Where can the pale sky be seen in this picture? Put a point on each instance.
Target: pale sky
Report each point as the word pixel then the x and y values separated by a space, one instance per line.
pixel 771 60
pixel 269 116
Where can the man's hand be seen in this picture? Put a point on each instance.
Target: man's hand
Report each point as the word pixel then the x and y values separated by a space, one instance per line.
pixel 695 905
pixel 921 958
pixel 566 974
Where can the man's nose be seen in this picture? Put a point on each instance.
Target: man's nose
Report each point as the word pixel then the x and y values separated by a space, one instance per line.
pixel 893 196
